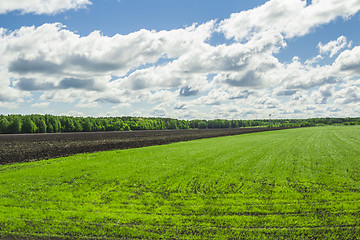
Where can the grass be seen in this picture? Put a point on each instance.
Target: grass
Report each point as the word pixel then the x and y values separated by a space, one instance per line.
pixel 297 183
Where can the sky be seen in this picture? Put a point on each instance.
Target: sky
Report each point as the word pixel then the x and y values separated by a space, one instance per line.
pixel 203 59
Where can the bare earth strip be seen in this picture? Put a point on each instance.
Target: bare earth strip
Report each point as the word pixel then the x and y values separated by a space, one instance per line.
pixel 31 147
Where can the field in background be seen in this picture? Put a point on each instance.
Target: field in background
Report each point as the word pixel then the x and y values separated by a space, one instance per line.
pixel 30 147
pixel 295 183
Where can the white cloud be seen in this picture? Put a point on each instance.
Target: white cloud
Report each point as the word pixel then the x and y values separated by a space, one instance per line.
pixel 348 95
pixel 348 62
pixel 74 113
pixel 40 105
pixel 122 106
pixel 9 105
pixel 291 18
pixel 8 93
pixel 314 60
pixel 158 112
pixel 51 50
pixel 215 97
pixel 178 73
pixel 333 47
pixel 273 15
pixel 322 95
pixel 87 105
pixel 248 64
pixel 50 57
pixel 41 6
pixel 162 96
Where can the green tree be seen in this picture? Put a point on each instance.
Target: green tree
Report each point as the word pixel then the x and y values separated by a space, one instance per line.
pixel 127 127
pixel 202 125
pixel 55 123
pixel 4 125
pixel 28 125
pixel 77 125
pixel 15 125
pixel 41 125
pixel 118 125
pixel 67 124
pixel 87 125
pixel 172 124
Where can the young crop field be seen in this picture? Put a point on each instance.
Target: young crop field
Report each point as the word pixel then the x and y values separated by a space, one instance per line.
pixel 299 183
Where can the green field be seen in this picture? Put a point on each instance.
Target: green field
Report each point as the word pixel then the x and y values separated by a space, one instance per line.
pixel 296 184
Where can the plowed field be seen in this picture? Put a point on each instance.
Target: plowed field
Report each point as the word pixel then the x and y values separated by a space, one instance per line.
pixel 30 147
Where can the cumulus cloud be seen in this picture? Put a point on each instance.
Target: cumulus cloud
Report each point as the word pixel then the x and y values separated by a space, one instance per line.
pixel 333 47
pixel 216 96
pixel 51 49
pixel 270 16
pixel 158 112
pixel 7 92
pixel 37 65
pixel 290 18
pixel 31 84
pixel 348 62
pixel 297 76
pixel 314 60
pixel 348 95
pixel 42 6
pixel 50 57
pixel 239 94
pixel 179 106
pixel 8 105
pixel 87 105
pixel 178 73
pixel 322 95
pixel 188 91
pixel 40 105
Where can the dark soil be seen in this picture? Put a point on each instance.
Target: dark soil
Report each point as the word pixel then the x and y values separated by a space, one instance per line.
pixel 31 147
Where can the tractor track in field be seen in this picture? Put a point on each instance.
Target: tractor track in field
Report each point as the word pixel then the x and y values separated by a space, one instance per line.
pixel 31 147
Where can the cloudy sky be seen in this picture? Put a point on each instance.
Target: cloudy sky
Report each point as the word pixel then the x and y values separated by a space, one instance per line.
pixel 184 59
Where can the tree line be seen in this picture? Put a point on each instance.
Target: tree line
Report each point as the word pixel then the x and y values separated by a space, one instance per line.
pixel 36 123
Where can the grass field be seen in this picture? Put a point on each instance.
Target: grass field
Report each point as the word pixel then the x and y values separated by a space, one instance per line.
pixel 297 184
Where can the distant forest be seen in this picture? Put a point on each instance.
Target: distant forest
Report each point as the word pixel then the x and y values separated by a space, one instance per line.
pixel 36 123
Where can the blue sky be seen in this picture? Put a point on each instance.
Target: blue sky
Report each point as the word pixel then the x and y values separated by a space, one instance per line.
pixel 126 16
pixel 182 59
